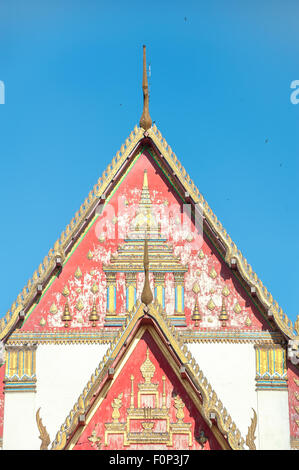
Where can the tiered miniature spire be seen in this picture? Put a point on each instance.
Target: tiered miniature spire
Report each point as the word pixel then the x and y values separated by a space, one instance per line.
pixel 66 317
pixel 196 317
pixel 94 317
pixel 223 317
pixel 129 256
pixel 145 120
pixel 144 224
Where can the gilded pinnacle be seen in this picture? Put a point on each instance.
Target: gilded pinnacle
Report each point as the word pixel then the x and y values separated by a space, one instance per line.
pixel 66 317
pixel 147 295
pixel 145 120
pixel 94 317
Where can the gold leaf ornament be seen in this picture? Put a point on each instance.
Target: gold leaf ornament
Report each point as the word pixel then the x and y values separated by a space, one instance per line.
pixel 225 291
pixel 195 288
pixel 89 255
pixel 94 288
pixel 65 291
pixel 78 273
pixel 53 309
pixel 213 273
pixel 237 308
pixel 79 305
pixel 211 305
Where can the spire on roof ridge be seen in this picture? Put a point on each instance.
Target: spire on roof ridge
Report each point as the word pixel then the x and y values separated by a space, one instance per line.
pixel 147 295
pixel 145 181
pixel 145 120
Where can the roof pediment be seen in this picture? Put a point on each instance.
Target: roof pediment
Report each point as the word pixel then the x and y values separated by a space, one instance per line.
pixel 167 160
pixel 147 346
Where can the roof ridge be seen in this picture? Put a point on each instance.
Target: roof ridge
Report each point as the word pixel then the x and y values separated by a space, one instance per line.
pixel 46 268
pixel 233 254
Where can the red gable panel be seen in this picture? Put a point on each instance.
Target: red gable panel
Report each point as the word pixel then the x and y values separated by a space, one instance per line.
pixel 146 408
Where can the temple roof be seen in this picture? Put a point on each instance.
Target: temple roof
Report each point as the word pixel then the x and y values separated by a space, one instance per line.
pixel 146 136
pixel 165 157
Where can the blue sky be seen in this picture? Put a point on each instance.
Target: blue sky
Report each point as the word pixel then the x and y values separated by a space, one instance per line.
pixel 219 93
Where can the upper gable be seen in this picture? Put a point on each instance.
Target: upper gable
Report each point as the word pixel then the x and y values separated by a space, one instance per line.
pixel 250 298
pixel 185 265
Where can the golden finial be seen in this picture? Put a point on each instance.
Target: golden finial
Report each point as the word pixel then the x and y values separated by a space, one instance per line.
pixel 145 120
pixel 66 317
pixel 147 295
pixel 147 369
pixel 223 317
pixel 145 180
pixel 94 317
pixel 196 317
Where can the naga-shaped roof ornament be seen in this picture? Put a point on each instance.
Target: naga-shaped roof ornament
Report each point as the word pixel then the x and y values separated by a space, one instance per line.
pixel 145 120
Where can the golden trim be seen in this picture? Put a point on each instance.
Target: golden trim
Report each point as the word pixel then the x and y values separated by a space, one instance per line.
pixel 104 337
pixel 232 336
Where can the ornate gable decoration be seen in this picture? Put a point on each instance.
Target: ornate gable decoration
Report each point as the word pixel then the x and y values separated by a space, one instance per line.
pixel 148 412
pixel 206 401
pixel 55 258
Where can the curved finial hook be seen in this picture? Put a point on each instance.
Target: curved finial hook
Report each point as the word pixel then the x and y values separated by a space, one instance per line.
pixel 145 120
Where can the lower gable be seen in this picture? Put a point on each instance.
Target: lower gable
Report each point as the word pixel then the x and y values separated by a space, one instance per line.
pixel 146 407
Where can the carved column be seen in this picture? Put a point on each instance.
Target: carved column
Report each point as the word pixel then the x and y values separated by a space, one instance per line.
pixel 111 292
pixel 20 373
pixel 179 293
pixel 130 290
pixel 20 395
pixel 272 397
pixel 160 288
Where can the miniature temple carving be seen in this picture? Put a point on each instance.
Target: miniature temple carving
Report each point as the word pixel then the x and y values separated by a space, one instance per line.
pixel 150 421
pixel 129 260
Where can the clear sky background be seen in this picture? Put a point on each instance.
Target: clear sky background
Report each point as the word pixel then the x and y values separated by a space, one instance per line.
pixel 219 93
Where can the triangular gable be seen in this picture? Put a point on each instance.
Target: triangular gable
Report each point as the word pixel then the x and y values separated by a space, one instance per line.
pixel 223 243
pixel 147 405
pixel 209 409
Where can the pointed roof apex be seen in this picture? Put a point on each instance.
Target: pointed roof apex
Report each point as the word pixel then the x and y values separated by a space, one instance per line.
pixel 145 120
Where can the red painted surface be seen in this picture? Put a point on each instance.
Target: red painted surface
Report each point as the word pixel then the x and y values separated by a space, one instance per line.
pixel 2 373
pixel 293 389
pixel 173 388
pixel 163 194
